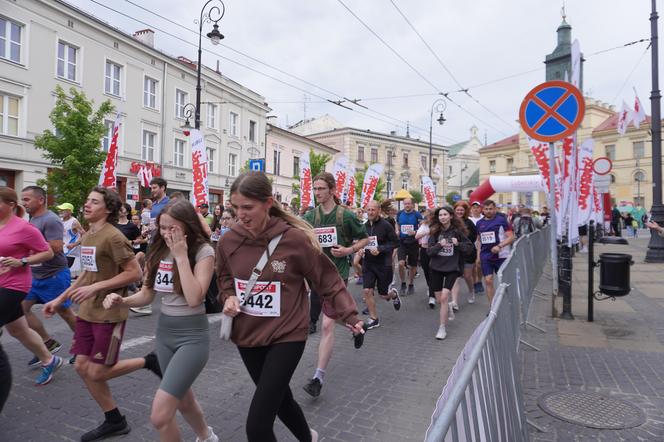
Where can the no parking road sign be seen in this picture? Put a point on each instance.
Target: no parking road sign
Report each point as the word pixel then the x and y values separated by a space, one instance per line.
pixel 552 111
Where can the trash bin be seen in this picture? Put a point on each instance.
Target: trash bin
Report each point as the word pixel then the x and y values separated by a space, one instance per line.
pixel 614 273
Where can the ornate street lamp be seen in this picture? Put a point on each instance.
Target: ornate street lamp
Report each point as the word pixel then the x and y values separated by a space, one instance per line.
pixel 188 111
pixel 213 15
pixel 438 106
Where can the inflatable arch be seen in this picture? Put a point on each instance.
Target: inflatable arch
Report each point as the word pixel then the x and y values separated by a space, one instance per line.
pixel 496 184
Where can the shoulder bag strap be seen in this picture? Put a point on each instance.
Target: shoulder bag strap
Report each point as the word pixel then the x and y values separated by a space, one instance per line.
pixel 256 272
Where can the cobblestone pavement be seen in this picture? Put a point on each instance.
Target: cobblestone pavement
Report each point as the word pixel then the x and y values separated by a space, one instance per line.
pixel 385 391
pixel 619 355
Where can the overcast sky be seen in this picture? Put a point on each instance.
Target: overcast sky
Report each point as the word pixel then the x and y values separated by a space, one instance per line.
pixel 480 42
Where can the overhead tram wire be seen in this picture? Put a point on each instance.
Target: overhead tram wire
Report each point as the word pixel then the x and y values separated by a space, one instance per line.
pixel 638 62
pixel 419 74
pixel 402 124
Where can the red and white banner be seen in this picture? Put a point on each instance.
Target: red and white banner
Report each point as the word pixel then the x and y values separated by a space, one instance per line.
pixel 340 172
pixel 429 192
pixel 199 162
pixel 306 183
pixel 624 117
pixel 639 115
pixel 525 183
pixel 108 176
pixel 350 192
pixel 371 178
pixel 585 183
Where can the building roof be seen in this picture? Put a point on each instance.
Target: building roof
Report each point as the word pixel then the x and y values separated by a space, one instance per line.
pixel 611 123
pixel 301 138
pixel 509 141
pixel 474 179
pixel 456 148
pixel 371 133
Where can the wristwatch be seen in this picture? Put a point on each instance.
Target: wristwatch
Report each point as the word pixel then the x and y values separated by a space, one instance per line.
pixel 24 262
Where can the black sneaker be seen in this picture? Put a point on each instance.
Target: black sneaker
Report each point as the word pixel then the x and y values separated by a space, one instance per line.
pixel 313 387
pixel 107 429
pixel 403 289
pixel 372 323
pixel 358 339
pixel 152 364
pixel 365 311
pixel 396 299
pixel 51 345
pixel 411 289
pixel 312 328
pixel 72 360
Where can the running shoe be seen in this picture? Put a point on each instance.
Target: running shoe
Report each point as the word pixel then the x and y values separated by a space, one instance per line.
pixel 403 289
pixel 432 303
pixel 52 345
pixel 479 288
pixel 471 298
pixel 442 333
pixel 107 429
pixel 313 387
pixel 396 300
pixel 454 305
pixel 142 311
pixel 211 437
pixel 48 370
pixel 314 436
pixel 411 289
pixel 358 339
pixel 365 311
pixel 372 323
pixel 450 311
pixel 359 280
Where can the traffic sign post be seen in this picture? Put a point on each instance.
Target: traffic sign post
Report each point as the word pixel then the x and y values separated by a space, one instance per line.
pixel 550 112
pixel 257 165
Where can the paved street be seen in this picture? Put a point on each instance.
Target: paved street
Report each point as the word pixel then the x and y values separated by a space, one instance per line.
pixel 385 391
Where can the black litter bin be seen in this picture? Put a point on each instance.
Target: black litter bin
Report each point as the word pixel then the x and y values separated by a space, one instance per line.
pixel 614 273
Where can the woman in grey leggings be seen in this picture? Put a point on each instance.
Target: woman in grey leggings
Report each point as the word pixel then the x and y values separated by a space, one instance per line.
pixel 178 268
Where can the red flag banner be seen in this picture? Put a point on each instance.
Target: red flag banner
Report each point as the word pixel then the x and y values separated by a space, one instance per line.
pixel 429 192
pixel 108 176
pixel 306 183
pixel 199 163
pixel 371 178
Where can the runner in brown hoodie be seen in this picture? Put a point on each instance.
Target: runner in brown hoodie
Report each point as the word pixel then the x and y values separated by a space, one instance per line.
pixel 271 328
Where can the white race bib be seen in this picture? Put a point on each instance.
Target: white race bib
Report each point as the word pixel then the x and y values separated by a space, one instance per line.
pixel 407 228
pixel 163 281
pixel 373 243
pixel 488 237
pixel 327 236
pixel 266 299
pixel 89 258
pixel 447 250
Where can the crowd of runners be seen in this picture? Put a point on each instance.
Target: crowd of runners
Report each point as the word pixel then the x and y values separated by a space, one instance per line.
pixel 273 272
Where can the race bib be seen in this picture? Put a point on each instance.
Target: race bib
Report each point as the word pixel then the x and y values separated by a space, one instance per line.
pixel 163 281
pixel 266 299
pixel 488 237
pixel 407 228
pixel 214 237
pixel 89 258
pixel 373 243
pixel 327 236
pixel 447 250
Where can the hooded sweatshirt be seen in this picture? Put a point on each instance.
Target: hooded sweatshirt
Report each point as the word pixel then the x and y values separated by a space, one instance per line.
pixel 284 304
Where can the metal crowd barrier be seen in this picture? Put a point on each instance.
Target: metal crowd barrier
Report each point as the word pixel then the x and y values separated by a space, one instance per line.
pixel 483 399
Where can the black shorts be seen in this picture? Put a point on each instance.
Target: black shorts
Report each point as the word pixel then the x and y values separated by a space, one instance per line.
pixel 10 305
pixel 376 274
pixel 408 251
pixel 583 230
pixel 442 280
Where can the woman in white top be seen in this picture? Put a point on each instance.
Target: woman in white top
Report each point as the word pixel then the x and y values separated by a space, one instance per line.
pixel 179 268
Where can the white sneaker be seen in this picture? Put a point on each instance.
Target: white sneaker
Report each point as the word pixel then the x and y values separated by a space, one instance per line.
pixel 211 437
pixel 142 311
pixel 454 305
pixel 471 298
pixel 314 436
pixel 442 334
pixel 583 250
pixel 432 303
pixel 450 312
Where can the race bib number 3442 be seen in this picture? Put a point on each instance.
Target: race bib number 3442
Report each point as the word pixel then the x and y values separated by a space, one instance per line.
pixel 266 299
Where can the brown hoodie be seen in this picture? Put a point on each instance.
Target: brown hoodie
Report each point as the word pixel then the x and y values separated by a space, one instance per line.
pixel 293 260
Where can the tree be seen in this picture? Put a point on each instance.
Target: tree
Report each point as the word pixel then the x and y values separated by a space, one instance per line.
pixel 417 196
pixel 450 197
pixel 359 182
pixel 317 161
pixel 74 149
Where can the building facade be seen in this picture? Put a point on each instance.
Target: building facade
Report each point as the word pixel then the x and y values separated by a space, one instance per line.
pixel 463 165
pixel 49 43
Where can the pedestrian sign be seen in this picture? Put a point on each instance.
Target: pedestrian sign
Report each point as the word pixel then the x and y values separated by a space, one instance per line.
pixel 552 111
pixel 257 165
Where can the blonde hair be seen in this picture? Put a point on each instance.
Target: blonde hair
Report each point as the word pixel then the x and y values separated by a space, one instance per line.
pixel 256 186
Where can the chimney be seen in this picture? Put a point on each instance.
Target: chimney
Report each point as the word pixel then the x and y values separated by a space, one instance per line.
pixel 145 36
pixel 393 133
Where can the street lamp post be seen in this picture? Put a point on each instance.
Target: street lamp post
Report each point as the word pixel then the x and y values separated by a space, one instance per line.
pixel 390 156
pixel 215 37
pixel 439 106
pixel 655 251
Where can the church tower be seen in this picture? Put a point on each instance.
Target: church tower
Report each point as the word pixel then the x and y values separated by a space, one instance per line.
pixel 559 62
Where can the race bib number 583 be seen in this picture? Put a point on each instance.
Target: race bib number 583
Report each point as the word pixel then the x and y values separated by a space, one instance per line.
pixel 266 299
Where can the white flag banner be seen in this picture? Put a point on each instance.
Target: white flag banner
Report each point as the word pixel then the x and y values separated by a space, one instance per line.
pixel 573 196
pixel 370 183
pixel 639 115
pixel 429 192
pixel 199 163
pixel 585 182
pixel 437 170
pixel 340 172
pixel 108 176
pixel 576 64
pixel 624 118
pixel 306 183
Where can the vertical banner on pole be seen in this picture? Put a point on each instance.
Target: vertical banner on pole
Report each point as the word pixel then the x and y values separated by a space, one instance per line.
pixel 585 184
pixel 371 178
pixel 306 183
pixel 108 176
pixel 340 172
pixel 429 192
pixel 350 198
pixel 199 162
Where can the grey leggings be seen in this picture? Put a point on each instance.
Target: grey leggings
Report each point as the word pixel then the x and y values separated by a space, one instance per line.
pixel 183 346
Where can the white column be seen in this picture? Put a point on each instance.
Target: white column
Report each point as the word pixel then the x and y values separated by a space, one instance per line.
pixel 536 200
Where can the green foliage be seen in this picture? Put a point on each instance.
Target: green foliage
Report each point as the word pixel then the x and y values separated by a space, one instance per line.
pixel 359 182
pixel 417 196
pixel 75 152
pixel 318 163
pixel 450 197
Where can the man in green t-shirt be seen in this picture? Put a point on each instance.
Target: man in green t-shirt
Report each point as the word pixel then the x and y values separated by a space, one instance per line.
pixel 336 229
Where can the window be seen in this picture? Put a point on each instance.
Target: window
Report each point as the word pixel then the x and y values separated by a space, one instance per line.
pixel 435 162
pixel 149 143
pixel 404 183
pixel 67 56
pixel 108 135
pixel 638 149
pixel 405 160
pixel 178 153
pixel 510 164
pixel 212 116
pixel 150 92
pixel 232 164
pixel 296 167
pixel 9 115
pixel 181 98
pixel 112 78
pixel 252 131
pixel 492 166
pixel 531 161
pixel 390 155
pixel 424 161
pixel 10 40
pixel 374 155
pixel 449 169
pixel 277 161
pixel 610 150
pixel 211 153
pixel 360 153
pixel 232 124
pixel 639 176
pixel 613 178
